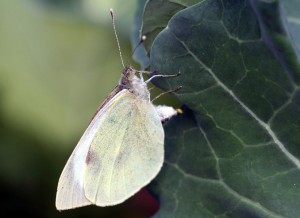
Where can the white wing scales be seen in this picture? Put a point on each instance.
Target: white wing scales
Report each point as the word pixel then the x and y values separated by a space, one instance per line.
pixel 120 152
pixel 128 151
pixel 70 192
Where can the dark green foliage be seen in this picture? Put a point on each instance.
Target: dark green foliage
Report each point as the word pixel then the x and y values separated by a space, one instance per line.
pixel 234 152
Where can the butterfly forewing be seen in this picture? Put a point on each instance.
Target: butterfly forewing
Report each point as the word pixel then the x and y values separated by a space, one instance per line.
pixel 126 153
pixel 70 191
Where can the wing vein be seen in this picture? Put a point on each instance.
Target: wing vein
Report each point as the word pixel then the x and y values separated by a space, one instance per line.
pixel 117 153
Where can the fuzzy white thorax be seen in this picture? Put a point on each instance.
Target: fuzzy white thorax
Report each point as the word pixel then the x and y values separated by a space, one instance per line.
pixel 140 89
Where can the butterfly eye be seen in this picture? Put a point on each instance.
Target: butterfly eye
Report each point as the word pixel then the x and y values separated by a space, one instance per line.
pixel 130 73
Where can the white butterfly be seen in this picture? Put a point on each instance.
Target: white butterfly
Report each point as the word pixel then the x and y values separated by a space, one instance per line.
pixel 120 152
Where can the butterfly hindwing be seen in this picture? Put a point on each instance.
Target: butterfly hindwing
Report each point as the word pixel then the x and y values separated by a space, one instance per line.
pixel 126 153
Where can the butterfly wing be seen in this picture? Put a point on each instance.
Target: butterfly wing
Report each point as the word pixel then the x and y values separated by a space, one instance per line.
pixel 126 153
pixel 70 192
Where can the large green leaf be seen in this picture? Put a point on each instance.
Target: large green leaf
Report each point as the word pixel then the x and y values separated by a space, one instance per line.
pixel 235 151
pixel 292 8
pixel 157 14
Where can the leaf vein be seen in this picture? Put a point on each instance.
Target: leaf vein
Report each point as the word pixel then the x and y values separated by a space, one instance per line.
pixel 281 146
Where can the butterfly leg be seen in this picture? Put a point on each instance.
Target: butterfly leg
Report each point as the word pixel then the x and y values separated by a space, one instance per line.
pixel 170 91
pixel 162 76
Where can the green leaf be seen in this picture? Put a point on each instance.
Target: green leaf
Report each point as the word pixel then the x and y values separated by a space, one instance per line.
pixel 235 151
pixel 157 14
pixel 151 18
pixel 276 36
pixel 292 8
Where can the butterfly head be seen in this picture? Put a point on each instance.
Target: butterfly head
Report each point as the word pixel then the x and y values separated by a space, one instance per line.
pixel 134 84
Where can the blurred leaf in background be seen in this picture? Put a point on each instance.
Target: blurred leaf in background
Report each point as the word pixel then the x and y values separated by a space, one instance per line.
pixel 58 61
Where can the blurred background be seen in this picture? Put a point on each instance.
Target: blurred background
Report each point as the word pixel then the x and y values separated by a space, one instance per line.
pixel 58 61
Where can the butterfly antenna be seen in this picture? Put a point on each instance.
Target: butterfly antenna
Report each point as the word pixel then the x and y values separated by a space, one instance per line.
pixel 116 35
pixel 143 38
